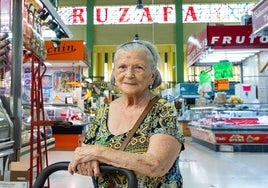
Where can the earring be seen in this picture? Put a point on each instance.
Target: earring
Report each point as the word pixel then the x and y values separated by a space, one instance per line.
pixel 150 87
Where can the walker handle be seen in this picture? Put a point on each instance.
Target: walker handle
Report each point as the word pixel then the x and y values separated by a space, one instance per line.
pixel 41 178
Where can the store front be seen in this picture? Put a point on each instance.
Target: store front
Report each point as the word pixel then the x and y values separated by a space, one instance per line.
pixel 233 123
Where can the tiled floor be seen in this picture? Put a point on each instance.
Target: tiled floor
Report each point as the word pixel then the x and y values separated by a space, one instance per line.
pixel 201 168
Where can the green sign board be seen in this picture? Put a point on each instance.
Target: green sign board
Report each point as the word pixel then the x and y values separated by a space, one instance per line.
pixel 223 70
pixel 204 77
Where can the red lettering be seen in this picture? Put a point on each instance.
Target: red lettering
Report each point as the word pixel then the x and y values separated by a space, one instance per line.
pixel 78 15
pixel 191 13
pixel 124 13
pixel 166 11
pixel 146 13
pixel 98 14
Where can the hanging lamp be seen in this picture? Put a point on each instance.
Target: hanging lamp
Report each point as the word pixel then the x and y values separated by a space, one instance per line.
pixel 139 5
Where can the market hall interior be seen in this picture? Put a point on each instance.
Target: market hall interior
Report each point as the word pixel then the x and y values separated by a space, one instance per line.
pixel 82 53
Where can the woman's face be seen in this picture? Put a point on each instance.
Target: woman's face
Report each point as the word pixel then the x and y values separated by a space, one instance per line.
pixel 132 72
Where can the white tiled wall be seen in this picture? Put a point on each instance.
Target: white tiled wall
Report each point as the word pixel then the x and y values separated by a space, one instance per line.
pixel 253 76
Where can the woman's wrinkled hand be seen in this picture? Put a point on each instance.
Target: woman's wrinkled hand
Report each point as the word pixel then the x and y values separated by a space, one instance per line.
pixel 90 168
pixel 82 158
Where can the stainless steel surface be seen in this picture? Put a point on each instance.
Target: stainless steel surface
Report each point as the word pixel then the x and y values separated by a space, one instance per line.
pixel 6 148
pixel 17 46
pixel 6 125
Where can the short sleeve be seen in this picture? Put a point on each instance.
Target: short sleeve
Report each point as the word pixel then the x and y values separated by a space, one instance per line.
pixel 164 117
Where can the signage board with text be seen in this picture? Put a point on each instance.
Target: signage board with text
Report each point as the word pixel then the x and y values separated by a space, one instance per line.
pixel 221 85
pixel 156 14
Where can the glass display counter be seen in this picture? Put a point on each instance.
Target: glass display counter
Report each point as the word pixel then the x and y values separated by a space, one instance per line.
pixel 6 136
pixel 234 128
pixel 70 124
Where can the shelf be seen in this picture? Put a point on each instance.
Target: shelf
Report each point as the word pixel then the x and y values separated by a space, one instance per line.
pixel 47 4
pixel 25 151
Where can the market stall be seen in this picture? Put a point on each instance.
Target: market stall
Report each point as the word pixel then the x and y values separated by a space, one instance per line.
pixel 65 67
pixel 224 124
pixel 70 134
pixel 24 49
pixel 233 129
pixel 219 43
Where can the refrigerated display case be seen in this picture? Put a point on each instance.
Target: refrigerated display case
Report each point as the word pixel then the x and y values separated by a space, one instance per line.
pixel 233 128
pixel 69 127
pixel 6 136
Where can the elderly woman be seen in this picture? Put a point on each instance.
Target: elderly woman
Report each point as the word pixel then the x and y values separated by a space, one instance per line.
pixel 153 152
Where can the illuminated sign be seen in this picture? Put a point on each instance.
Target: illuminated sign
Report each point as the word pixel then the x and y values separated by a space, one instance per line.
pixel 192 13
pixel 215 13
pixel 127 15
pixel 215 39
pixel 234 35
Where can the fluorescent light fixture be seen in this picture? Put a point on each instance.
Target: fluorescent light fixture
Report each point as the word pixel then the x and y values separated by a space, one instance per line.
pixel 233 51
pixel 232 55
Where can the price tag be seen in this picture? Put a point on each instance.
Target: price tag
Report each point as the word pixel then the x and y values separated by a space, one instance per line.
pixel 221 84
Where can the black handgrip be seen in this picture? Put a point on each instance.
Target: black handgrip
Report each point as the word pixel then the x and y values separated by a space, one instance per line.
pixel 41 178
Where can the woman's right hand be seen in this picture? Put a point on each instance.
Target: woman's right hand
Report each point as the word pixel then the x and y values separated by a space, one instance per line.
pixel 90 168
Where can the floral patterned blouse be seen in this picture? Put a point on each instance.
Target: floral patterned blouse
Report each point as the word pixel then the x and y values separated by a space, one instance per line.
pixel 161 119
